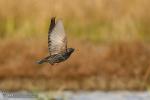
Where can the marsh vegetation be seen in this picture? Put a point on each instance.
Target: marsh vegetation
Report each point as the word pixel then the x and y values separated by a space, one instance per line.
pixel 111 40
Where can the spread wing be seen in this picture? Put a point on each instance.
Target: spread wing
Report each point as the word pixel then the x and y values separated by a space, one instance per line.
pixel 57 41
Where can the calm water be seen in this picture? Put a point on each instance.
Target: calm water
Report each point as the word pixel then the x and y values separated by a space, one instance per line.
pixel 97 95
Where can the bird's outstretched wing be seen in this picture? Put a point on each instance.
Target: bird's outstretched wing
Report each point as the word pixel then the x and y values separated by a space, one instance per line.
pixel 57 40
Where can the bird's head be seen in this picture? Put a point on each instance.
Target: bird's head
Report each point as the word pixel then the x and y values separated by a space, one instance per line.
pixel 70 50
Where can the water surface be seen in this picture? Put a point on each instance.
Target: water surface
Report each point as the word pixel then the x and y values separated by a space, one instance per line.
pixel 81 95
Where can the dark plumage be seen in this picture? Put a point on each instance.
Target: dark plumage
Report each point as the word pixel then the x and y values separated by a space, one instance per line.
pixel 57 44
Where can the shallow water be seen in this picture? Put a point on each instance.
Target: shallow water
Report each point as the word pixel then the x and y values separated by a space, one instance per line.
pixel 97 95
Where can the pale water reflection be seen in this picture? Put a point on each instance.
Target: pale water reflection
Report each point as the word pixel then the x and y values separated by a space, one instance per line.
pixel 82 95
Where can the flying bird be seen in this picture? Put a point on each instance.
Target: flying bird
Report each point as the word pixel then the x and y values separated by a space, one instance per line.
pixel 57 44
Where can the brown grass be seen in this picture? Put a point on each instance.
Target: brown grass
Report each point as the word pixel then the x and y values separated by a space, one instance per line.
pixel 122 65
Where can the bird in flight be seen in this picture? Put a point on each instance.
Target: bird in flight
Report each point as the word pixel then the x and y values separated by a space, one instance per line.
pixel 57 44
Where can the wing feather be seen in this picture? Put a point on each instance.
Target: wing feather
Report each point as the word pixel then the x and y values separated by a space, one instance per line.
pixel 57 41
pixel 52 24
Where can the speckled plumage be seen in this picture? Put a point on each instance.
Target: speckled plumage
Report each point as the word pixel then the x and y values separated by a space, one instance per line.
pixel 57 44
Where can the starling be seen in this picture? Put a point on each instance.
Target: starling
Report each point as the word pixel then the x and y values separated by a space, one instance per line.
pixel 57 44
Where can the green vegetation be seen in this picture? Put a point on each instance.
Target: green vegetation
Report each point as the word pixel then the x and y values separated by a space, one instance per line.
pixel 117 58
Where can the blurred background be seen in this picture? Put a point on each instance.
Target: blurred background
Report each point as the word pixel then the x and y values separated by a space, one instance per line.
pixel 111 40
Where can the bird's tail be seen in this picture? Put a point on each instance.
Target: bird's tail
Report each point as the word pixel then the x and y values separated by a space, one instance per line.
pixel 41 61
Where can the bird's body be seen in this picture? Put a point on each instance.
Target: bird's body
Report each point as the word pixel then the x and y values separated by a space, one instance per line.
pixel 57 58
pixel 57 44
